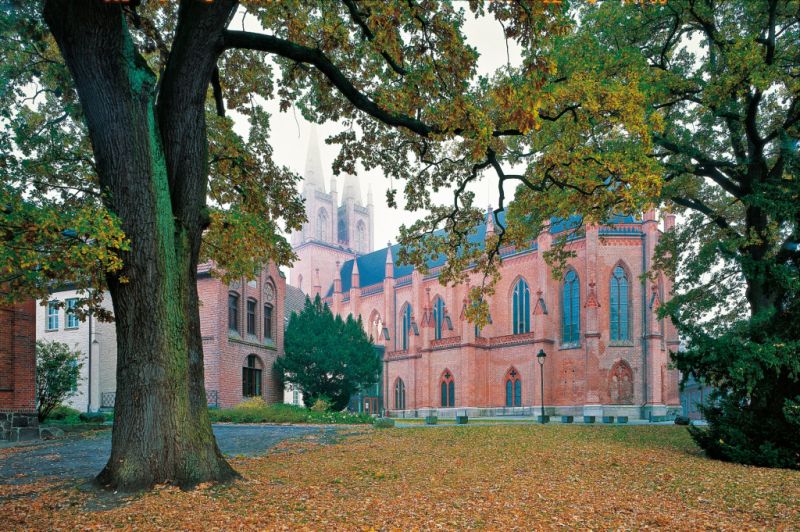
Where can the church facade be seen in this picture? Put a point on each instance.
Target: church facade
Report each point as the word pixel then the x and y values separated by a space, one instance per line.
pixel 607 352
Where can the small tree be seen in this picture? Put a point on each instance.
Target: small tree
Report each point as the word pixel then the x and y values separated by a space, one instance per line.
pixel 327 356
pixel 57 371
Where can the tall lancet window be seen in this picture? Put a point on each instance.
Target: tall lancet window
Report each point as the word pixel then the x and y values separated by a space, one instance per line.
pixel 405 317
pixel 342 230
pixel 322 225
pixel 438 317
pixel 521 302
pixel 571 309
pixel 618 306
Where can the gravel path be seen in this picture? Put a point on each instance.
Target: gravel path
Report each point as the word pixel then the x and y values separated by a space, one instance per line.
pixel 84 457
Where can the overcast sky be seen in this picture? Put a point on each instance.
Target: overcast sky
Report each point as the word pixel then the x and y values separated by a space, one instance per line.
pixel 290 134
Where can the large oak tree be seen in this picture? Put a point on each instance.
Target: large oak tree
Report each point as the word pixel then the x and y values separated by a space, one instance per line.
pixel 120 169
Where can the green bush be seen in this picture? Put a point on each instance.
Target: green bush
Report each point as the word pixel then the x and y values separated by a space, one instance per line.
pixel 751 433
pixel 246 412
pixel 383 423
pixel 65 414
pixel 682 420
pixel 92 417
pixel 322 404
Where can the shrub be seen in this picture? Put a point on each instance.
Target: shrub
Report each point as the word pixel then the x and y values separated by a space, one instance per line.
pixel 93 417
pixel 252 403
pixel 322 404
pixel 283 413
pixel 64 413
pixel 682 420
pixel 57 370
pixel 383 423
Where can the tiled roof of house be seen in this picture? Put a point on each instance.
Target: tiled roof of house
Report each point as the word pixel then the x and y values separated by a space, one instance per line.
pixel 294 301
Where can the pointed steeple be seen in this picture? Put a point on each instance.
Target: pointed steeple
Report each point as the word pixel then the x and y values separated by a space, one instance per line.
pixel 369 194
pixel 313 175
pixel 489 222
pixel 352 189
pixel 337 280
pixel 355 277
pixel 389 268
pixel 317 284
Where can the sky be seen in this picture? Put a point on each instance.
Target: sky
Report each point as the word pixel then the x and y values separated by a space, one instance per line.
pixel 290 134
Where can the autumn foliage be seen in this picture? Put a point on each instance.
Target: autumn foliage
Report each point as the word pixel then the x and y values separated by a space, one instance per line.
pixel 499 477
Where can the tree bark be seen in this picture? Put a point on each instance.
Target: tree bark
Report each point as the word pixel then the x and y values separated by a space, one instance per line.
pixel 152 169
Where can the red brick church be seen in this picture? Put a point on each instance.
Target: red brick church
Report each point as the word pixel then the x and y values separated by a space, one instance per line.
pixel 607 351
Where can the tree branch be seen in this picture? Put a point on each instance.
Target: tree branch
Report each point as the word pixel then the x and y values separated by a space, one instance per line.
pixel 359 18
pixel 315 57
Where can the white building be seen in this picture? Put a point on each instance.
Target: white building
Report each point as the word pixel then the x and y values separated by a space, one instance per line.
pixel 97 382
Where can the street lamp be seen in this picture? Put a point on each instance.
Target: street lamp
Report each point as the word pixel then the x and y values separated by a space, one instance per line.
pixel 540 356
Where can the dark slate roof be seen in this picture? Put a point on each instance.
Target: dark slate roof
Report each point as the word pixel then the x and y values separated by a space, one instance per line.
pixel 372 266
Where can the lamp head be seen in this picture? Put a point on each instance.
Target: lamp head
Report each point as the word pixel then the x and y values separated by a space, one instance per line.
pixel 540 356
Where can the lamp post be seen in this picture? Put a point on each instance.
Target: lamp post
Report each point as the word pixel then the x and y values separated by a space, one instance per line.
pixel 540 356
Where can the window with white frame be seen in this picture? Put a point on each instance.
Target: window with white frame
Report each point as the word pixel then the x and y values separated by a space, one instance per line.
pixel 71 317
pixel 52 316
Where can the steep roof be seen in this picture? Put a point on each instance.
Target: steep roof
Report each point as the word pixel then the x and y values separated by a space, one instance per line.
pixel 372 266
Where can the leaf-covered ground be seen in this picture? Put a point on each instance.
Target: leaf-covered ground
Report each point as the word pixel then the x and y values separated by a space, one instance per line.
pixel 523 476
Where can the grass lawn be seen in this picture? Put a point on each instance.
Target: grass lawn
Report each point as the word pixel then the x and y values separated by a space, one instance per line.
pixel 504 476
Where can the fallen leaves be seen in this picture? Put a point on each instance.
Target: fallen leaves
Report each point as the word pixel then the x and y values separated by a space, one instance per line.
pixel 523 476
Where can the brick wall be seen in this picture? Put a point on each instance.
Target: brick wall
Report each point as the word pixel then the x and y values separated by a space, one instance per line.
pixel 226 351
pixel 619 376
pixel 18 358
pixel 18 372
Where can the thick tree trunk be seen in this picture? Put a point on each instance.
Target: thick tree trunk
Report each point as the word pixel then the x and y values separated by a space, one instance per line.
pixel 153 171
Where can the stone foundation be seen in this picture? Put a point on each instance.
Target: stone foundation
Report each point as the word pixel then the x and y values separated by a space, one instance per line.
pixel 632 412
pixel 16 426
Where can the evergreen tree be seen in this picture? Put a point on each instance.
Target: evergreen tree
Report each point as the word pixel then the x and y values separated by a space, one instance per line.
pixel 326 356
pixel 721 81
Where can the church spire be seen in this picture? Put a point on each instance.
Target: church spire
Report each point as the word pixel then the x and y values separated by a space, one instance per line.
pixel 313 174
pixel 489 222
pixel 354 276
pixel 389 267
pixel 352 189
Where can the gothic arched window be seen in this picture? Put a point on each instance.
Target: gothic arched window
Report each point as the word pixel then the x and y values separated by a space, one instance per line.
pixel 448 388
pixel 618 305
pixel 571 309
pixel 342 231
pixel 521 305
pixel 438 317
pixel 405 323
pixel 399 394
pixel 513 388
pixel 322 225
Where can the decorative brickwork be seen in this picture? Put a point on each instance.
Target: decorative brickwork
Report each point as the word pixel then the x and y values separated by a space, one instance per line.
pixel 590 374
pixel 225 351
